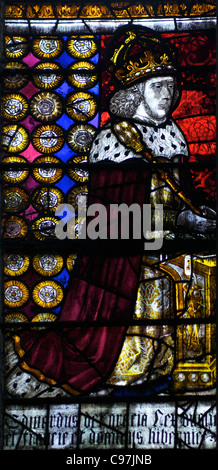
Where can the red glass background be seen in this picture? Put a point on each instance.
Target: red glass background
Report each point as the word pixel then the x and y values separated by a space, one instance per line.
pixel 195 114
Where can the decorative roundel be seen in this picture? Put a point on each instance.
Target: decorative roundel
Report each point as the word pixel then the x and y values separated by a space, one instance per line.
pixel 16 293
pixel 15 264
pixel 80 137
pixel 71 261
pixel 44 228
pixel 15 227
pixel 47 47
pixel 14 106
pixel 47 173
pixel 78 197
pixel 14 76
pixel 18 174
pixel 15 138
pixel 82 47
pixel 47 199
pixel 48 264
pixel 15 317
pixel 48 138
pixel 82 74
pixel 81 106
pixel 15 47
pixel 47 294
pixel 46 106
pixel 44 317
pixel 47 76
pixel 16 199
pixel 78 174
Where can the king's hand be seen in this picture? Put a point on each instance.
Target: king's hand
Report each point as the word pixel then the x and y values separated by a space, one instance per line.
pixel 205 223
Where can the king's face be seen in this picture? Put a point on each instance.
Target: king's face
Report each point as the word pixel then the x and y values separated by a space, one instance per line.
pixel 158 96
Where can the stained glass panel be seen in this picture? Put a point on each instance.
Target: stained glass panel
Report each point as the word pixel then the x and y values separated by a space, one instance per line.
pixel 108 320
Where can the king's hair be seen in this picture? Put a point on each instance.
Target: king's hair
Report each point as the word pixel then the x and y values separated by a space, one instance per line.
pixel 125 102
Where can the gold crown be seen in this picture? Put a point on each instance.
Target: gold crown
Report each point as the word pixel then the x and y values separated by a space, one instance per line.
pixel 150 62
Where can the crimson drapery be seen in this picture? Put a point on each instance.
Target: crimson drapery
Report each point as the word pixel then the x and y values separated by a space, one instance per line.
pixel 103 287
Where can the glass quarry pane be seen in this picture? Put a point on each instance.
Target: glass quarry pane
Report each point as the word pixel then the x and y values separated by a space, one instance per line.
pixel 25 428
pixel 61 95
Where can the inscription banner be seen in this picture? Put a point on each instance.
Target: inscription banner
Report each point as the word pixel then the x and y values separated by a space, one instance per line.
pixel 101 426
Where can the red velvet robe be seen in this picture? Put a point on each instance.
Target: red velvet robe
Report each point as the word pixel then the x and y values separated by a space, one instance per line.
pixel 103 287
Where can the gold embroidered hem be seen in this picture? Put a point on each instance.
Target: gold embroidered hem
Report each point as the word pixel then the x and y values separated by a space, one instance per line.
pixel 137 356
pixel 37 372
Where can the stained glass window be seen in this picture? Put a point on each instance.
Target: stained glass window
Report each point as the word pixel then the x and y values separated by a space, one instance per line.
pixel 108 327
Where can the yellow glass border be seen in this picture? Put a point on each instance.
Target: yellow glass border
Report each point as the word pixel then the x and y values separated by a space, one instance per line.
pixel 100 9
